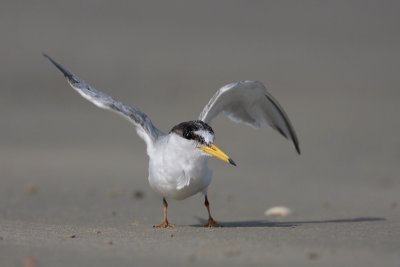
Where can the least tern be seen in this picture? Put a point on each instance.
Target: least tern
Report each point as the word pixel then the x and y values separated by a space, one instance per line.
pixel 178 165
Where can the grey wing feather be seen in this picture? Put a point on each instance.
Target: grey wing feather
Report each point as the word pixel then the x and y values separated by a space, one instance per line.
pixel 145 127
pixel 249 102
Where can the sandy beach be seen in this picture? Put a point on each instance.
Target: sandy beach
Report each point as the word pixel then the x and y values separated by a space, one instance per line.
pixel 73 178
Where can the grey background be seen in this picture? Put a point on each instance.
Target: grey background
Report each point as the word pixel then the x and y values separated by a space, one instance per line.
pixel 68 168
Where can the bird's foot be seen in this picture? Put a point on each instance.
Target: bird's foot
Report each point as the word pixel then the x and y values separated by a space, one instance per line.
pixel 165 224
pixel 212 223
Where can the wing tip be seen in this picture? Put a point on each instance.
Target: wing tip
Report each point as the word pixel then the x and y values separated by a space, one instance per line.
pixel 64 71
pixel 297 146
pixel 45 55
pixel 291 130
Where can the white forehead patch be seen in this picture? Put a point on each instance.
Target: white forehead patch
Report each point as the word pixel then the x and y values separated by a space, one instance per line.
pixel 208 137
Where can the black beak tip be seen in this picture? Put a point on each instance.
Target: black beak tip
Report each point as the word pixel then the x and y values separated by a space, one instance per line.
pixel 232 162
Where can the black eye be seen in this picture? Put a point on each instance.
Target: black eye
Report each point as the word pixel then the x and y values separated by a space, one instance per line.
pixel 187 135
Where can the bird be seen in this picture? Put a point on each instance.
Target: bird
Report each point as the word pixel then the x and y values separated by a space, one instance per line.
pixel 178 160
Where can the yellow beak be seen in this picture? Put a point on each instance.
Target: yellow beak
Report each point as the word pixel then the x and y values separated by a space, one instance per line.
pixel 218 153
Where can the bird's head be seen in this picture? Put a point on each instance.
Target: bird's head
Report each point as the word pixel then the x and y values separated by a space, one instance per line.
pixel 202 135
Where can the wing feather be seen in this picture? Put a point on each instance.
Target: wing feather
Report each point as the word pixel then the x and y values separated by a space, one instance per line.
pixel 145 128
pixel 250 103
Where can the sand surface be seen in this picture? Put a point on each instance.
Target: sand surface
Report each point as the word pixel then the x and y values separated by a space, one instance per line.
pixel 73 178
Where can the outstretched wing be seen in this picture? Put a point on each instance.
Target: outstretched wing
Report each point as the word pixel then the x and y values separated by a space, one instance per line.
pixel 144 126
pixel 249 102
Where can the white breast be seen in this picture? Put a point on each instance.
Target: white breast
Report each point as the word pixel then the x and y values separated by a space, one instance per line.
pixel 178 169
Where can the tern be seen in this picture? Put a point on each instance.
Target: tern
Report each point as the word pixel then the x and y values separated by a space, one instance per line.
pixel 178 166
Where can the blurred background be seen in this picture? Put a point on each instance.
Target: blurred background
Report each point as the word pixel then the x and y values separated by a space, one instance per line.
pixel 333 66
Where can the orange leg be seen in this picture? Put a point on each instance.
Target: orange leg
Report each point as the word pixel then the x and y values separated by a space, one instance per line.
pixel 211 221
pixel 165 223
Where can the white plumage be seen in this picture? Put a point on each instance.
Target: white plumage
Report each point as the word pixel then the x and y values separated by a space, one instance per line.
pixel 177 168
pixel 178 160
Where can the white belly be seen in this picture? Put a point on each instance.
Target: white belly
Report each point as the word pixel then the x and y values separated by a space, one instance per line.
pixel 178 171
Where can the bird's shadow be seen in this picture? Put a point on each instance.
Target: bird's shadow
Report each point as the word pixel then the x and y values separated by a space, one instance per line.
pixel 265 223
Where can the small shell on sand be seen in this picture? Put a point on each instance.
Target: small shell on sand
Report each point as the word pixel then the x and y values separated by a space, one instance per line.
pixel 278 211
